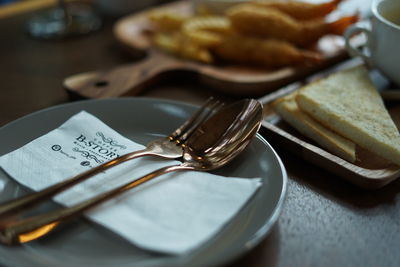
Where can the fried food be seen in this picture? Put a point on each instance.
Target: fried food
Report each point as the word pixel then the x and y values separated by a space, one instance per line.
pixel 204 38
pixel 203 10
pixel 177 44
pixel 194 52
pixel 206 30
pixel 269 34
pixel 166 21
pixel 302 10
pixel 217 24
pixel 167 42
pixel 269 53
pixel 250 19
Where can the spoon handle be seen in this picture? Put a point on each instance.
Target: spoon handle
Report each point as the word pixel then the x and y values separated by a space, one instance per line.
pixel 30 200
pixel 25 230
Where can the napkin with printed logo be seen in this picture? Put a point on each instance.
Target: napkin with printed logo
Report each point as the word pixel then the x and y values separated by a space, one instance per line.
pixel 174 213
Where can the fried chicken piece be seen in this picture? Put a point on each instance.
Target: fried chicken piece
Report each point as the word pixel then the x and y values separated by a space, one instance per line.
pixel 206 30
pixel 264 52
pixel 266 22
pixel 166 20
pixel 178 44
pixel 302 10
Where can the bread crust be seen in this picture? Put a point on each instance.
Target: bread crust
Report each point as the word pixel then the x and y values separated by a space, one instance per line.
pixel 288 109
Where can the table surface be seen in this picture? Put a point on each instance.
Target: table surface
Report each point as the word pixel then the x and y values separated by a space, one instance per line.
pixel 325 221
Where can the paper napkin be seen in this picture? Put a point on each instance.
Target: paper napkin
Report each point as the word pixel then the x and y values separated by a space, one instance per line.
pixel 173 213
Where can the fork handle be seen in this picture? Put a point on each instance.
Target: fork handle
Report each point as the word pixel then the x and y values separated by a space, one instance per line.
pixel 27 201
pixel 32 228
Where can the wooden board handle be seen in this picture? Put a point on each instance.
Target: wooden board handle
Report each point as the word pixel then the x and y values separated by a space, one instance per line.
pixel 122 80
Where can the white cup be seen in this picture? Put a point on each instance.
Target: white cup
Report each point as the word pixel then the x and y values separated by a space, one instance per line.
pixel 382 39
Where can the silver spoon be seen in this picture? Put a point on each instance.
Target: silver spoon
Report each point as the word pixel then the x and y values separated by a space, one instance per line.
pixel 220 139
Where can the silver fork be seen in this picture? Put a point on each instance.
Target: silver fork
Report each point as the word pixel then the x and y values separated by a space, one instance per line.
pixel 167 147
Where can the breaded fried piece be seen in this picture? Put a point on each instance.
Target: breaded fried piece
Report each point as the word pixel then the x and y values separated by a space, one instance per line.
pixel 264 52
pixel 177 44
pixel 166 20
pixel 266 22
pixel 302 10
pixel 206 30
pixel 218 24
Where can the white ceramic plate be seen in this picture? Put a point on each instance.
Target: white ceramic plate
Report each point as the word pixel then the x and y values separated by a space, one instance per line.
pixel 85 244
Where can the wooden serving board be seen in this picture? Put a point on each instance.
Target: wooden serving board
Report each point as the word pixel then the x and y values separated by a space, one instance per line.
pixel 369 171
pixel 233 80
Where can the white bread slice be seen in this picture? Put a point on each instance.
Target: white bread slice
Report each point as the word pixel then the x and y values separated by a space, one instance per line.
pixel 287 108
pixel 348 103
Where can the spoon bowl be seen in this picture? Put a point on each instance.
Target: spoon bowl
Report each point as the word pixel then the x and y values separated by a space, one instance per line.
pixel 222 137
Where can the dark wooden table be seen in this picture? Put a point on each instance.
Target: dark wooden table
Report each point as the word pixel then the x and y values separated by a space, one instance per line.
pixel 325 221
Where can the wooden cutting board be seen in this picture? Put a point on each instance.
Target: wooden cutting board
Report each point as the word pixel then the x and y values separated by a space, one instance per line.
pixel 230 79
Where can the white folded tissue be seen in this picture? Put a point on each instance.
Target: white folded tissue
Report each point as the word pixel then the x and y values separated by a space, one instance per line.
pixel 174 213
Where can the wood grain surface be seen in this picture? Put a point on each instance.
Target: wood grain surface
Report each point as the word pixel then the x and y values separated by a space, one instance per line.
pixel 325 221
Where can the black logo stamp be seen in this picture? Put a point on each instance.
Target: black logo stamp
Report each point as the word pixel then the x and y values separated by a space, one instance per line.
pixel 56 147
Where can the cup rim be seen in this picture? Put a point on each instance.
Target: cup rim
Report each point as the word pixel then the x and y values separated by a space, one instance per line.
pixel 375 5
